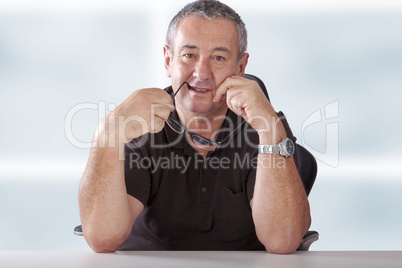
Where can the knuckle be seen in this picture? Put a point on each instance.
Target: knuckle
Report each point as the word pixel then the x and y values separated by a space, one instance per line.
pixel 158 125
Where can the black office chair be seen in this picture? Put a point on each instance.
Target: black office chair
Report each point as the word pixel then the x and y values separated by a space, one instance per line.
pixel 307 171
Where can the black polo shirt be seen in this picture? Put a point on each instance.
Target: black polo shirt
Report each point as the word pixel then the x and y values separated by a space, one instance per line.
pixel 191 202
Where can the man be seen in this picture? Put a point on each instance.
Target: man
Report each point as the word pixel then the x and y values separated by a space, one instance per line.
pixel 179 190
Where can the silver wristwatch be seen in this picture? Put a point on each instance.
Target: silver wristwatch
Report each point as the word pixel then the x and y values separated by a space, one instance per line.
pixel 286 148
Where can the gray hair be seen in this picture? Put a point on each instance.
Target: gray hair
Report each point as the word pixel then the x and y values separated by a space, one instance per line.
pixel 209 9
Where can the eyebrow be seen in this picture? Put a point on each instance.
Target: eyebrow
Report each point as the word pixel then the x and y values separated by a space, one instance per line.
pixel 222 49
pixel 188 47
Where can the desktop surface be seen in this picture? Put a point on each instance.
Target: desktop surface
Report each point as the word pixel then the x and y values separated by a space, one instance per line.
pixel 202 259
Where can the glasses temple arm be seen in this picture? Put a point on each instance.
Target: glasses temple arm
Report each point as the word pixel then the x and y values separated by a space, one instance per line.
pixel 174 95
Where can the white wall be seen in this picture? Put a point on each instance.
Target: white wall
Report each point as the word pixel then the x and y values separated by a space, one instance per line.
pixel 333 68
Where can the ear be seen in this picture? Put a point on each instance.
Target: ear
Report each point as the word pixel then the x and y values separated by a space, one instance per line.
pixel 242 64
pixel 166 53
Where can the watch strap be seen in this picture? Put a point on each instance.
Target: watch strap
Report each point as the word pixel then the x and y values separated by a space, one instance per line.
pixel 268 149
pixel 286 148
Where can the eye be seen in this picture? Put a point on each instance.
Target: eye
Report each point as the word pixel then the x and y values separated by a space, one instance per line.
pixel 189 56
pixel 219 58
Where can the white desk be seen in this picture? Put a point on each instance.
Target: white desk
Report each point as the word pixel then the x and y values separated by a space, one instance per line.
pixel 201 259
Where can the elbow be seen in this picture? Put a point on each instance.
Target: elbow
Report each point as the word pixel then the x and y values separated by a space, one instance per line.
pixel 280 246
pixel 102 247
pixel 99 243
pixel 282 241
pixel 280 249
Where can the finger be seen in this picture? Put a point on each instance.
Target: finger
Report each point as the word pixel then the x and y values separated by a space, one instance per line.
pixel 235 97
pixel 159 96
pixel 161 111
pixel 157 125
pixel 220 93
pixel 158 119
pixel 230 83
pixel 236 104
pixel 222 89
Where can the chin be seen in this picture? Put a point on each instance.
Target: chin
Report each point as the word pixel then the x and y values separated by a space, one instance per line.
pixel 198 107
pixel 200 110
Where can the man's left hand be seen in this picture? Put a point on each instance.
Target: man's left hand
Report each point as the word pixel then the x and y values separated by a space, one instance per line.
pixel 245 98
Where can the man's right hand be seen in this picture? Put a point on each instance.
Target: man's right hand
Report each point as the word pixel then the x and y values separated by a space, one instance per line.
pixel 144 111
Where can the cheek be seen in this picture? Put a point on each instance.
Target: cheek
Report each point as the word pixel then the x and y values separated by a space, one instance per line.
pixel 181 69
pixel 220 77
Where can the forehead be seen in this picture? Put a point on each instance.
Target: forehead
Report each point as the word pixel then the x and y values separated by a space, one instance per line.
pixel 206 34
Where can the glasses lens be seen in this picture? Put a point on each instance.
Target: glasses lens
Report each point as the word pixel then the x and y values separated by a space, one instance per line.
pixel 202 142
pixel 176 126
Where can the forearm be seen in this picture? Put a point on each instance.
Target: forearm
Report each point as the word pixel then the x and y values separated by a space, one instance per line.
pixel 280 207
pixel 105 211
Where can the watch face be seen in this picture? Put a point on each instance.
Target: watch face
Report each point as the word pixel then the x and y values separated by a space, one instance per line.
pixel 290 147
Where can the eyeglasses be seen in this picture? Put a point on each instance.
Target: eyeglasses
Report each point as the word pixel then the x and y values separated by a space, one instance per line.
pixel 197 139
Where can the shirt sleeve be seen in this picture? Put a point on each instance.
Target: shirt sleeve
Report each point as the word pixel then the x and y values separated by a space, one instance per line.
pixel 136 172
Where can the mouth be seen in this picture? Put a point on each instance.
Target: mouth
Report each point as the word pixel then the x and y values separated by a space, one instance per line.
pixel 199 90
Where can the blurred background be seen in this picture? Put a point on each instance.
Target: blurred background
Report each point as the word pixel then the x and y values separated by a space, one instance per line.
pixel 333 67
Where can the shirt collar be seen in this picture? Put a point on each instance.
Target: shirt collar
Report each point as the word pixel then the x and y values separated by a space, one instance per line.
pixel 230 123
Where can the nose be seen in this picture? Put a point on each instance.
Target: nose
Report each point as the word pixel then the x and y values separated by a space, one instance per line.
pixel 203 70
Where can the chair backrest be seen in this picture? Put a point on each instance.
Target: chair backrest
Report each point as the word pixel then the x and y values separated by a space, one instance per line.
pixel 307 168
pixel 307 164
pixel 260 83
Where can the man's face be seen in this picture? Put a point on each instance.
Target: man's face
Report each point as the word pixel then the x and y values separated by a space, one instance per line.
pixel 205 54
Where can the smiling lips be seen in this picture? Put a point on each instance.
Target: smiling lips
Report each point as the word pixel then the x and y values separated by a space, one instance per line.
pixel 199 90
